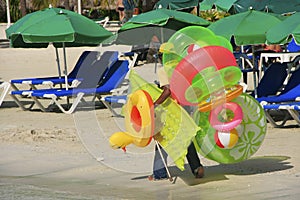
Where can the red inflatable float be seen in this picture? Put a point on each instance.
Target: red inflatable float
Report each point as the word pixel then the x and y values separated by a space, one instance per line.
pixel 195 62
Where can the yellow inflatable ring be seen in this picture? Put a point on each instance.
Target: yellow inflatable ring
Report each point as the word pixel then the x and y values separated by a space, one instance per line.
pixel 139 117
pixel 231 93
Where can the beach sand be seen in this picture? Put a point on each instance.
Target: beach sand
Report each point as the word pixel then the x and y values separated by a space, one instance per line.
pixel 58 156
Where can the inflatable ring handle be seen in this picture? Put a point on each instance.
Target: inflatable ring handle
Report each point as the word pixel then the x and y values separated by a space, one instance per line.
pixel 205 106
pixel 226 126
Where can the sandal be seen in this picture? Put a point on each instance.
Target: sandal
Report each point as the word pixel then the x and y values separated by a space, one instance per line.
pixel 151 178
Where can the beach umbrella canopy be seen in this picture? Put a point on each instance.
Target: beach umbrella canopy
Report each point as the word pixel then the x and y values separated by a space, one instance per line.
pixel 162 23
pixel 284 31
pixel 246 28
pixel 176 4
pixel 219 4
pixel 273 6
pixel 238 6
pixel 56 26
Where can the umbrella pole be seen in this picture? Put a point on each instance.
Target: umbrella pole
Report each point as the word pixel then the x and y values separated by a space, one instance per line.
pixel 66 70
pixel 58 64
pixel 8 14
pixel 162 35
pixel 162 41
pixel 65 63
pixel 255 70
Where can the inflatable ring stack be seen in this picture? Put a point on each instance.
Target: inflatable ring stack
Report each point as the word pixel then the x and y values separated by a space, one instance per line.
pixel 203 73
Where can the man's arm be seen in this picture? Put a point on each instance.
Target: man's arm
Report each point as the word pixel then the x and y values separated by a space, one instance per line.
pixel 164 95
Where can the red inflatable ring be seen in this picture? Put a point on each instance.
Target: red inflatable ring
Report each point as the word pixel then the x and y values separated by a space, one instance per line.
pixel 193 63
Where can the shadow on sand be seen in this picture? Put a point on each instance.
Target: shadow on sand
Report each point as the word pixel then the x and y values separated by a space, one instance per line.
pixel 256 165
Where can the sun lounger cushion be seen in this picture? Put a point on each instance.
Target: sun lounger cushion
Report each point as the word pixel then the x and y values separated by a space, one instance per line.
pixel 114 77
pixel 292 95
pixel 59 80
pixel 273 80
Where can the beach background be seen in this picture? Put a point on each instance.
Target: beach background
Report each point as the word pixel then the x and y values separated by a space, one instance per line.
pixel 58 156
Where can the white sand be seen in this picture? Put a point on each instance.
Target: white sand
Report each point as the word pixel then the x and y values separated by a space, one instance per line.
pixel 59 156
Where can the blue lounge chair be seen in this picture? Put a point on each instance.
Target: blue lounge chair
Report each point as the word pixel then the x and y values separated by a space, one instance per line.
pixel 85 60
pixel 289 110
pixel 287 102
pixel 289 93
pixel 82 70
pixel 98 79
pixel 272 81
pixel 289 96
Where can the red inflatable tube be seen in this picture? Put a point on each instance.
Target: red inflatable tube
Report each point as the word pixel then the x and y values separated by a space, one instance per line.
pixel 195 62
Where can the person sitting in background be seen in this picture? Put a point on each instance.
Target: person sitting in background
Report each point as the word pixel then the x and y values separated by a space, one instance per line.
pixel 264 48
pixel 272 47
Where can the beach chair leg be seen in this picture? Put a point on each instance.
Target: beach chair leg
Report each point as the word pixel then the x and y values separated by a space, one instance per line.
pixel 20 104
pixel 74 105
pixel 273 122
pixel 38 103
pixel 165 164
pixel 107 105
pixel 5 86
pixel 14 87
pixel 295 115
pixel 254 83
